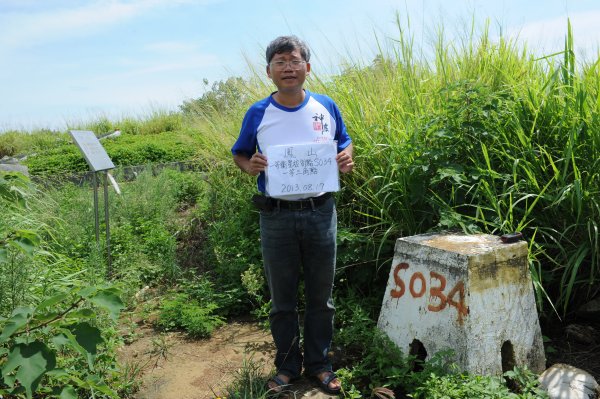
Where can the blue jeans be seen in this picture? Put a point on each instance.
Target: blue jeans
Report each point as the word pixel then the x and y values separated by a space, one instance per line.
pixel 293 241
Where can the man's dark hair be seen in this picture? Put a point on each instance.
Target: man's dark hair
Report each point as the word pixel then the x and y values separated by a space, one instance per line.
pixel 287 44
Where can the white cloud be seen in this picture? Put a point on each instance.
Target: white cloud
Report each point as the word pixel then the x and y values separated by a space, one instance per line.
pixel 549 34
pixel 25 29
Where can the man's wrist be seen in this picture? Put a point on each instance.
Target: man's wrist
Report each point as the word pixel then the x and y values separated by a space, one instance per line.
pixel 248 169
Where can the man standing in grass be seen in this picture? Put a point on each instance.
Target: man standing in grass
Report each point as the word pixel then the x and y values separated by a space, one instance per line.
pixel 298 231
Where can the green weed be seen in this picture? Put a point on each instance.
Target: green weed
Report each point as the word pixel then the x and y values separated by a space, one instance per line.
pixel 181 312
pixel 463 386
pixel 248 383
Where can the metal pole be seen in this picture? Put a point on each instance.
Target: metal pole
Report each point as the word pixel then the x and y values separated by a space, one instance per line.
pixel 106 221
pixel 96 216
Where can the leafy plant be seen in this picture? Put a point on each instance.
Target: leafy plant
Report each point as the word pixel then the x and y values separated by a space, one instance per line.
pixel 525 383
pixel 33 339
pixel 229 302
pixel 464 386
pixel 13 188
pixel 182 312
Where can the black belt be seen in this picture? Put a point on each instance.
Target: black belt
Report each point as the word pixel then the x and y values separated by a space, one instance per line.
pixel 307 203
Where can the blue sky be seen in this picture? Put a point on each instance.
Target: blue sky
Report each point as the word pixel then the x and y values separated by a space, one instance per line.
pixel 64 61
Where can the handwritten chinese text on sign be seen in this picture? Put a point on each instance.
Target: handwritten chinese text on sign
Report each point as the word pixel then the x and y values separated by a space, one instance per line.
pixel 302 168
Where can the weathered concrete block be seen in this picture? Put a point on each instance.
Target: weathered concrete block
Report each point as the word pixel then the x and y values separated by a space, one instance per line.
pixel 469 293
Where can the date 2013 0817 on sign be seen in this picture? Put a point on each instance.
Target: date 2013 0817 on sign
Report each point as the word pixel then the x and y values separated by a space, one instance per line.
pixel 304 188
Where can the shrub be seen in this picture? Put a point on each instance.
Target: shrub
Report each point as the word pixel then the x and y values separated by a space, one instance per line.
pixel 126 150
pixel 63 159
pixel 182 312
pixel 188 187
pixel 229 302
pixel 14 143
pixel 464 386
pixel 232 243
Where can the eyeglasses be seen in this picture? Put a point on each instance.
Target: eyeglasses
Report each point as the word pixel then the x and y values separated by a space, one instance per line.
pixel 293 64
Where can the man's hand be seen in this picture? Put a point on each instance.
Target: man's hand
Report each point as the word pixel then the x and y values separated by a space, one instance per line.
pixel 344 160
pixel 254 165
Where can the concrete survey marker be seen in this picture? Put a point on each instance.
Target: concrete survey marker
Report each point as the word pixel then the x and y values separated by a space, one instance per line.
pixel 469 293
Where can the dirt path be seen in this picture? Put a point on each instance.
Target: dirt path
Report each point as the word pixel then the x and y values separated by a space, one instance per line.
pixel 174 367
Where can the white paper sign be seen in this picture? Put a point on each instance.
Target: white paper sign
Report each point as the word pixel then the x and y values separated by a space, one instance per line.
pixel 92 150
pixel 302 168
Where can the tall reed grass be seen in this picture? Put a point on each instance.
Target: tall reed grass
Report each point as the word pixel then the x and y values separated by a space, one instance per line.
pixel 482 137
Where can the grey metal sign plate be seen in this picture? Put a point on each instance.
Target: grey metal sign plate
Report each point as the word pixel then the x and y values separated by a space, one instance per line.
pixel 92 150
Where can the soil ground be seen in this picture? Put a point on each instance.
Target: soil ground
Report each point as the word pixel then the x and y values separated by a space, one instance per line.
pixel 174 367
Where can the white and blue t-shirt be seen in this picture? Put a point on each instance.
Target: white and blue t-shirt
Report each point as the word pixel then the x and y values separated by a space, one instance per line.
pixel 267 123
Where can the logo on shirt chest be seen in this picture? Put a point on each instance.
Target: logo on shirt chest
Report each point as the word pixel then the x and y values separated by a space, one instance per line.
pixel 318 124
